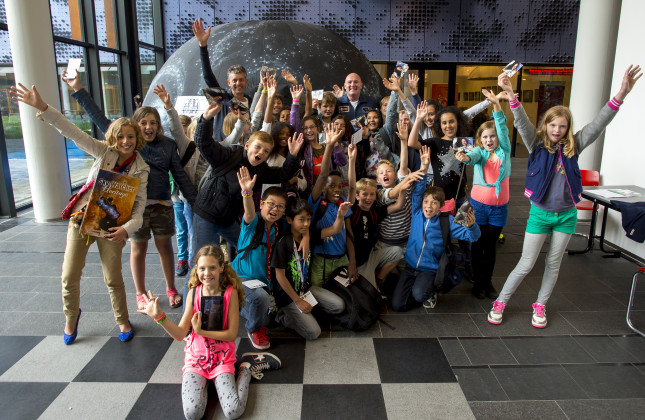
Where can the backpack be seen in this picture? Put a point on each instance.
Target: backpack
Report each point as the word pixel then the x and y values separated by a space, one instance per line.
pixel 452 262
pixel 361 302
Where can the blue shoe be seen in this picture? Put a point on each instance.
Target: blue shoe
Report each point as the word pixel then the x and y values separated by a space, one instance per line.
pixel 126 336
pixel 69 338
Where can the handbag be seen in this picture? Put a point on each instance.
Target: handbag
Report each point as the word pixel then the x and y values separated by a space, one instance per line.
pixel 78 201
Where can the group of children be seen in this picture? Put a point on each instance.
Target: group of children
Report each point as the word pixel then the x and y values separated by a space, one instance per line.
pixel 290 238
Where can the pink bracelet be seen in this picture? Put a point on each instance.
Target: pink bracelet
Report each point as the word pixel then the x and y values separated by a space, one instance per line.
pixel 247 193
pixel 514 103
pixel 296 101
pixel 614 104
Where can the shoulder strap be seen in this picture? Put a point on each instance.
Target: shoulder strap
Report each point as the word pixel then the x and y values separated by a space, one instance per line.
pixel 444 221
pixel 190 151
pixel 227 298
pixel 256 240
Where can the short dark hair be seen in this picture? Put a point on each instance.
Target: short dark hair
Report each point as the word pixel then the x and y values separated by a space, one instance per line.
pixel 437 193
pixel 296 205
pixel 276 192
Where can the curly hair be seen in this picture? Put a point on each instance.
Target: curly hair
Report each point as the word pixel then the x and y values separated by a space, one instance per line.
pixel 113 131
pixel 228 277
pixel 463 126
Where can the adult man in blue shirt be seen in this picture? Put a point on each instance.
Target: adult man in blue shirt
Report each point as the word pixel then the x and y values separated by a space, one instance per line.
pixel 353 103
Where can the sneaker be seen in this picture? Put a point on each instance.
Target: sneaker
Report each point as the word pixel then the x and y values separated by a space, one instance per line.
pixel 539 315
pixel 259 339
pixel 182 268
pixel 430 303
pixel 259 362
pixel 495 315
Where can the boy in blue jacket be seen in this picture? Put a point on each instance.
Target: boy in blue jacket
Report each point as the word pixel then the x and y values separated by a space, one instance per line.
pixel 425 245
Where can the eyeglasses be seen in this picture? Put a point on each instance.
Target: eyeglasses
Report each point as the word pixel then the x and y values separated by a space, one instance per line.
pixel 271 205
pixel 309 127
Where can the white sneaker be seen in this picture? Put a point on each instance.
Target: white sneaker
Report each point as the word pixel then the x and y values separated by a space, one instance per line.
pixel 539 315
pixel 495 314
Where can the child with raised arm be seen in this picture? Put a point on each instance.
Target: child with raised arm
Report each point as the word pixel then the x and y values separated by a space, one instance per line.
pixel 117 153
pixel 258 237
pixel 490 194
pixel 426 246
pixel 553 184
pixel 337 250
pixel 210 349
pixel 291 270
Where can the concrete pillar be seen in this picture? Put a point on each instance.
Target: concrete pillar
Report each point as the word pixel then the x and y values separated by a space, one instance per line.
pixel 34 63
pixel 593 69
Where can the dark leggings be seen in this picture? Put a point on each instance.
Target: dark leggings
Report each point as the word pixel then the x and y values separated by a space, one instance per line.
pixel 484 252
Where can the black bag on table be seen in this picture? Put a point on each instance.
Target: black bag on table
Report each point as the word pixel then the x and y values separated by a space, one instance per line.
pixel 361 301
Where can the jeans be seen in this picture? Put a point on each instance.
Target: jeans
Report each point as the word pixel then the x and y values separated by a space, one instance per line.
pixel 208 233
pixel 256 308
pixel 530 252
pixel 413 286
pixel 305 324
pixel 181 229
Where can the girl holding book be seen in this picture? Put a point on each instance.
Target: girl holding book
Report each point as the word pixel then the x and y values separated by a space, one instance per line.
pixel 210 348
pixel 118 153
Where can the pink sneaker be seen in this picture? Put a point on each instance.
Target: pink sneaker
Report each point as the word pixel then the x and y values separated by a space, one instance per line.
pixel 495 315
pixel 539 315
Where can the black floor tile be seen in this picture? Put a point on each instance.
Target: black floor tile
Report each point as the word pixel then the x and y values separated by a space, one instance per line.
pixel 487 351
pixel 27 400
pixel 479 384
pixel 343 402
pixel 606 322
pixel 291 353
pixel 13 348
pixel 544 350
pixel 525 410
pixel 134 361
pixel 538 383
pixel 412 360
pixel 167 403
pixel 605 350
pixel 603 409
pixel 609 380
pixel 634 344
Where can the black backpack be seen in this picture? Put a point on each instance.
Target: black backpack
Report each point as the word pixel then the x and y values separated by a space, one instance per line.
pixel 361 302
pixel 452 262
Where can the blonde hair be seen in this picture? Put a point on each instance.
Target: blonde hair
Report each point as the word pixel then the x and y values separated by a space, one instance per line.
pixel 568 141
pixel 363 183
pixel 113 131
pixel 229 123
pixel 190 130
pixel 261 136
pixel 185 121
pixel 403 111
pixel 328 99
pixel 488 125
pixel 385 162
pixel 228 277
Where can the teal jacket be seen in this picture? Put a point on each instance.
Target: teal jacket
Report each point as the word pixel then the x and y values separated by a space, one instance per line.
pixel 479 156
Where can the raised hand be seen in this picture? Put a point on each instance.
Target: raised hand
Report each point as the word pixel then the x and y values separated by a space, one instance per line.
pixel 244 178
pixel 338 91
pixel 332 134
pixel 490 97
pixel 631 76
pixel 422 110
pixel 295 143
pixel 212 110
pixel 503 95
pixel 343 209
pixel 413 83
pixel 425 156
pixel 73 82
pixel 152 308
pixel 352 152
pixel 201 34
pixel 392 83
pixel 271 86
pixel 307 83
pixel 163 94
pixel 402 132
pixel 505 83
pixel 29 97
pixel 286 75
pixel 264 77
pixel 296 92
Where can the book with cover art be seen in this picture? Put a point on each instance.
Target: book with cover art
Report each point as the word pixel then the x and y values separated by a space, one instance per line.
pixel 110 204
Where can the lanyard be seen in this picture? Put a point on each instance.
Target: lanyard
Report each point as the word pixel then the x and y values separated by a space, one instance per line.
pixel 125 164
pixel 269 248
pixel 300 265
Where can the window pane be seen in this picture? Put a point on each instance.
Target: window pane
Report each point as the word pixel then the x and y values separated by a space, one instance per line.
pixel 111 85
pixel 148 68
pixel 106 23
pixel 79 161
pixel 66 18
pixel 145 22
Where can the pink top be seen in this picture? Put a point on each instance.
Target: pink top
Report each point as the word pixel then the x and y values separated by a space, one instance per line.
pixel 486 195
pixel 206 356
